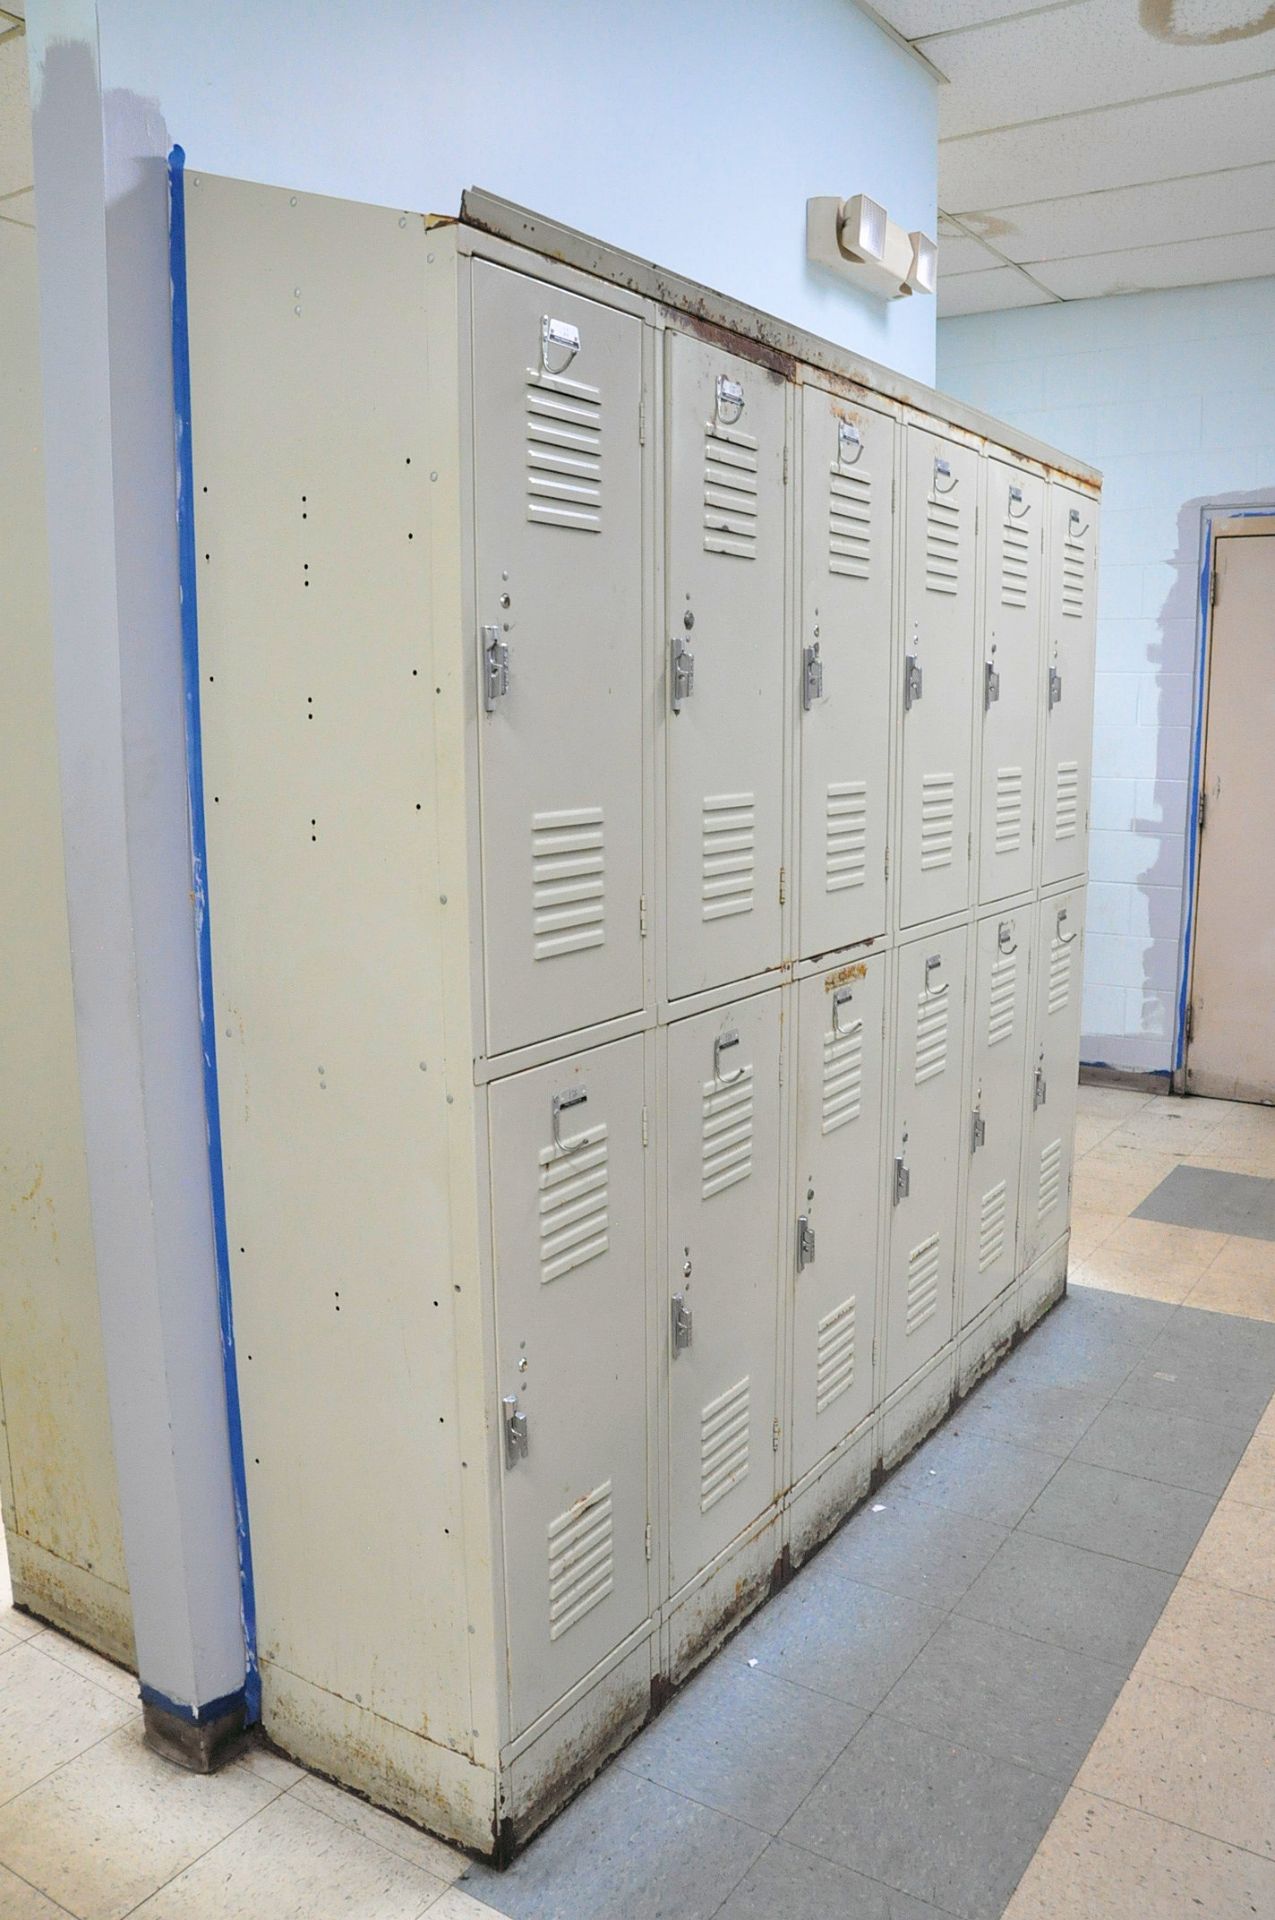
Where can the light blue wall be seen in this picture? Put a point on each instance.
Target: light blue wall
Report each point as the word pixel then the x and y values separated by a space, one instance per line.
pixel 1173 396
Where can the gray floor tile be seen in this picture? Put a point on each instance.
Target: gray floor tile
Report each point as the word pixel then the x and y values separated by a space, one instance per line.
pixel 625 1850
pixel 741 1741
pixel 836 1635
pixel 788 1881
pixel 1070 1596
pixel 1225 1338
pixel 1162 1446
pixel 1218 1202
pixel 1018 1699
pixel 936 1820
pixel 1086 1347
pixel 991 1479
pixel 1179 1380
pixel 1010 1406
pixel 1117 1513
pixel 914 1549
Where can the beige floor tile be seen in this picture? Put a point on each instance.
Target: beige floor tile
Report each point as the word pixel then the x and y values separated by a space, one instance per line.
pixel 1245 1255
pixel 48 1715
pixel 293 1863
pixel 274 1767
pixel 1130 1273
pixel 1250 1295
pixel 1090 1229
pixel 1266 1425
pixel 1118 1101
pixel 444 1862
pixel 81 1660
pixel 20 1625
pixel 1217 1640
pixel 1170 1126
pixel 1092 1129
pixel 1190 1757
pixel 19 1901
pixel 1253 1481
pixel 1237 1549
pixel 1177 1246
pixel 457 1905
pixel 1118 1179
pixel 113 1825
pixel 1258 1163
pixel 1100 1861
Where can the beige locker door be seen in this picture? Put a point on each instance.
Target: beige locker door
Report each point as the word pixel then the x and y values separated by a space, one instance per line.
pixel 836 1198
pixel 558 581
pixel 928 1135
pixel 1014 565
pixel 1068 681
pixel 725 627
pixel 1054 1071
pixel 937 695
pixel 569 1250
pixel 1002 1022
pixel 845 676
pixel 723 1147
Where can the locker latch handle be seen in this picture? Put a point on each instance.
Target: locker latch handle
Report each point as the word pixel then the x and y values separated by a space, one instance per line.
pixel 1040 1093
pixel 1064 939
pixel 729 399
pixel 991 685
pixel 932 965
pixel 811 676
pixel 563 1103
pixel 913 680
pixel 681 671
pixel 495 667
pixel 1055 688
pixel 1017 505
pixel 561 336
pixel 1005 937
pixel 978 1131
pixel 805 1242
pixel 902 1179
pixel 943 470
pixel 842 998
pixel 1074 529
pixel 720 1046
pixel 848 435
pixel 682 1328
pixel 515 1425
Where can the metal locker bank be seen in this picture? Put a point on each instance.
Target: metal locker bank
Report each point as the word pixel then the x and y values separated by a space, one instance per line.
pixel 644 759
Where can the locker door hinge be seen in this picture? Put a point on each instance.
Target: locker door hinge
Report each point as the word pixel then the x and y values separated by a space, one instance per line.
pixel 782 879
pixel 1200 811
pixel 642 915
pixel 515 1425
pixel 775 1431
pixel 645 1137
pixel 648 1539
pixel 978 1131
pixel 1190 1021
pixel 805 1242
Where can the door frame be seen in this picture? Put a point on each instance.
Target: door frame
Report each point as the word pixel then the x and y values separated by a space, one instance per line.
pixel 1216 523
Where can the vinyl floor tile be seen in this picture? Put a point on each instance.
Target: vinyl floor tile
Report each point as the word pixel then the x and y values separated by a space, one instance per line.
pixel 800 1886
pixel 834 1634
pixel 1215 1639
pixel 1074 1598
pixel 1162 1446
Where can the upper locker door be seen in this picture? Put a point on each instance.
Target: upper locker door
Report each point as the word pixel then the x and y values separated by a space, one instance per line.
pixel 558 583
pixel 1002 1021
pixel 722 1140
pixel 840 1070
pixel 1068 688
pixel 941 489
pixel 1014 565
pixel 924 1178
pixel 724 666
pixel 569 1227
pixel 844 669
pixel 1054 1071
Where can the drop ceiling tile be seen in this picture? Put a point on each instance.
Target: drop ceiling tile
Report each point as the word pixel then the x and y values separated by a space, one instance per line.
pixel 987 292
pixel 1228 126
pixel 1188 263
pixel 917 18
pixel 1237 201
pixel 1069 59
pixel 15 116
pixel 959 253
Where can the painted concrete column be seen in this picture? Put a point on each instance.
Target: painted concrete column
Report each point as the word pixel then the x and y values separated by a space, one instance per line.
pixel 104 297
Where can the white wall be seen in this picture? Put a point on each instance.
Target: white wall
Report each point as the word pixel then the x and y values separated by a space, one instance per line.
pixel 1173 396
pixel 688 131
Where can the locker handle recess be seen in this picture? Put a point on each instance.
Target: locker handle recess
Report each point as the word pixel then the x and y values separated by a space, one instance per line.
pixel 558 336
pixel 805 1242
pixel 913 681
pixel 1074 529
pixel 681 671
pixel 842 998
pixel 1055 688
pixel 1041 1091
pixel 563 1103
pixel 943 470
pixel 720 1046
pixel 515 1425
pixel 932 965
pixel 730 400
pixel 978 1131
pixel 1017 505
pixel 681 1316
pixel 495 667
pixel 848 435
pixel 1005 937
pixel 991 685
pixel 811 676
pixel 1064 939
pixel 902 1179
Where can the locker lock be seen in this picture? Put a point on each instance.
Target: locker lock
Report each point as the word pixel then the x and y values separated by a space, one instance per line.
pixel 1040 1091
pixel 681 1318
pixel 681 672
pixel 902 1178
pixel 978 1131
pixel 913 680
pixel 495 667
pixel 811 676
pixel 805 1242
pixel 1055 688
pixel 991 685
pixel 515 1424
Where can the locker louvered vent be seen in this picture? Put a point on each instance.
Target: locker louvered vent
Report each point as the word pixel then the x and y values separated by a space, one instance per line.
pixel 845 835
pixel 923 1283
pixel 1059 974
pixel 942 545
pixel 1074 579
pixel 723 1444
pixel 1050 1184
pixel 1015 563
pixel 581 1562
pixel 1009 809
pixel 991 1226
pixel 1066 799
pixel 931 1034
pixel 938 815
pixel 834 1355
pixel 727 856
pixel 842 1077
pixel 564 453
pixel 850 521
pixel 573 1202
pixel 1001 999
pixel 730 491
pixel 568 872
pixel 726 1155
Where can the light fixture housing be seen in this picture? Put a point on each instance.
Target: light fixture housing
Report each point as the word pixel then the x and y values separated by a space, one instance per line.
pixel 856 239
pixel 923 274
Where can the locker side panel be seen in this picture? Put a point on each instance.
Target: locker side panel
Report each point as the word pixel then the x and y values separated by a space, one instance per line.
pixel 928 1130
pixel 569 1254
pixel 940 507
pixel 840 1116
pixel 1051 1094
pixel 1014 564
pixel 724 665
pixel 723 1144
pixel 558 529
pixel 1002 1022
pixel 1068 681
pixel 844 673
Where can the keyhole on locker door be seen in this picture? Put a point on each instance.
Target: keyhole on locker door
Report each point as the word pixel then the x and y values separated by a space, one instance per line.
pixel 686 1264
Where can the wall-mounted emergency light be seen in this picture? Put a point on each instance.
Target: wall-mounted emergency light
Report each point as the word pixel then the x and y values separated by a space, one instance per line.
pixel 857 239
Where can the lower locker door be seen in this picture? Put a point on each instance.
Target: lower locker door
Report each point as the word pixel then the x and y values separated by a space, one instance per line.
pixel 723 1143
pixel 1052 1089
pixel 927 1139
pixel 840 1062
pixel 569 1227
pixel 1001 1025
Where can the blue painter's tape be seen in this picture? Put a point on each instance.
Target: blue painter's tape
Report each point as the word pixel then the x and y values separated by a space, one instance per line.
pixel 201 1715
pixel 203 938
